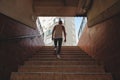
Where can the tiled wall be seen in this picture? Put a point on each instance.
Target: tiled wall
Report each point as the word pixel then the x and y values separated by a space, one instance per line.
pixel 16 45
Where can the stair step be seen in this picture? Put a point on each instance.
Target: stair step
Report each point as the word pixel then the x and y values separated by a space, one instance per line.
pixel 59 76
pixel 62 53
pixel 62 59
pixel 61 69
pixel 62 56
pixel 63 66
pixel 67 51
pixel 60 63
pixel 63 48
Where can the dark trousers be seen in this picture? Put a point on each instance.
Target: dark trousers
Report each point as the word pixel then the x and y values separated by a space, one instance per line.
pixel 58 43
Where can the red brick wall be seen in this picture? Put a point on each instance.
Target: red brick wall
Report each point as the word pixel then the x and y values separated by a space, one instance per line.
pixel 14 51
pixel 102 41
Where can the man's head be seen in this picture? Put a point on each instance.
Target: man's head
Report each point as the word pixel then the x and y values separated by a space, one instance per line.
pixel 60 22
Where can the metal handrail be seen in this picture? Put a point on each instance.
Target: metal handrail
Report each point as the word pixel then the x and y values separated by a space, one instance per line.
pixel 20 37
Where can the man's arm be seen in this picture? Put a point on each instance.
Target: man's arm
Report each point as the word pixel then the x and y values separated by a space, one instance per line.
pixel 53 32
pixel 63 28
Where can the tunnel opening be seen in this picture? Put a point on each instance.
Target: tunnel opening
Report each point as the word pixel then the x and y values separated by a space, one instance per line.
pixel 74 27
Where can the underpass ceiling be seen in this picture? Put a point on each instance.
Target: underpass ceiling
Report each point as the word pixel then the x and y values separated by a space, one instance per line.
pixel 26 11
pixel 60 7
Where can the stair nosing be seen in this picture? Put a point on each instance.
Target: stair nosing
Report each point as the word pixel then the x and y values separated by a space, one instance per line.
pixel 64 66
pixel 81 73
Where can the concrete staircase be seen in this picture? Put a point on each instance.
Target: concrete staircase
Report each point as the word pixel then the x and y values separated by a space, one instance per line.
pixel 74 64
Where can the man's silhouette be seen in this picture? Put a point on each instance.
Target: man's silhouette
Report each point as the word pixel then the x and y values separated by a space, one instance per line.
pixel 57 33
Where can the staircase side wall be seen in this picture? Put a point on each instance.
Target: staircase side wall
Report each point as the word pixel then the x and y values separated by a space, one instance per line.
pixel 102 41
pixel 16 44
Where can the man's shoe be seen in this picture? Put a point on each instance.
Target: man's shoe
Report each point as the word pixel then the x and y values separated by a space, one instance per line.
pixel 58 56
pixel 55 49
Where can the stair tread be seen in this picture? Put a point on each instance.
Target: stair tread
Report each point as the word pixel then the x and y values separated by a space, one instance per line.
pixel 62 53
pixel 63 59
pixel 63 56
pixel 67 51
pixel 59 63
pixel 61 69
pixel 81 73
pixel 61 76
pixel 62 66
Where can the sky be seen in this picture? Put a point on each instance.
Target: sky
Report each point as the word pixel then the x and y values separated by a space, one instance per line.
pixel 77 25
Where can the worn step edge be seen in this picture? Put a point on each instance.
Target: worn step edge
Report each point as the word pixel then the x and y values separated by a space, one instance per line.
pixel 62 66
pixel 81 73
pixel 75 75
pixel 63 59
pixel 60 69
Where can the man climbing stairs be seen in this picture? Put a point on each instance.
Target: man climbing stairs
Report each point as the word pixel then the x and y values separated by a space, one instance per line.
pixel 74 64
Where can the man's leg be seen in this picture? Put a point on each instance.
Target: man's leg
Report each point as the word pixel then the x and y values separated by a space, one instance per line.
pixel 55 44
pixel 59 45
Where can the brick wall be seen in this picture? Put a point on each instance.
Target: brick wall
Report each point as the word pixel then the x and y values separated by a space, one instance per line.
pixel 16 45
